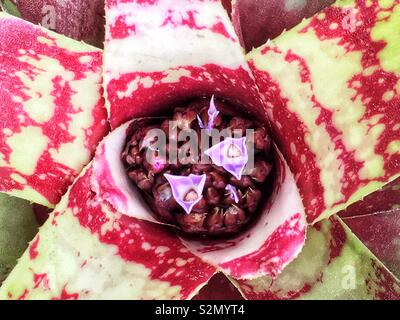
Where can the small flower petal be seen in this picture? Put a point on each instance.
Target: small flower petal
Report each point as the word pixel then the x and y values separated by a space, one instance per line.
pixel 212 115
pixel 187 190
pixel 231 154
pixel 233 192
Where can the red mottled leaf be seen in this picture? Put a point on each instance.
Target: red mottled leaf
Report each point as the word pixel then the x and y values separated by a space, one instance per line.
pixel 78 19
pixel 227 5
pixel 151 65
pixel 259 20
pixel 331 86
pixel 334 264
pixel 52 115
pixel 85 239
pixel 385 199
pixel 158 53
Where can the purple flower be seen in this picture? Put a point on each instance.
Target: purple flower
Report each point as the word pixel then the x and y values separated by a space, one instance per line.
pixel 233 192
pixel 212 115
pixel 231 154
pixel 187 190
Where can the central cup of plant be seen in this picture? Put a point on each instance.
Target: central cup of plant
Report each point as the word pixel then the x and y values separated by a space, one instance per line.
pixel 206 169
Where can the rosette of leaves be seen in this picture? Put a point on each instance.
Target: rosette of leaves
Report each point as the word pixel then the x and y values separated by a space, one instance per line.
pixel 328 93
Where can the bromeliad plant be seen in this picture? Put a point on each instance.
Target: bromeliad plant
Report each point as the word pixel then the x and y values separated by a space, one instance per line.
pixel 328 95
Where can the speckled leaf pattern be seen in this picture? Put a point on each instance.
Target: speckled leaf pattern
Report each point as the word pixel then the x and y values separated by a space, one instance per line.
pixel 331 87
pixel 334 264
pixel 161 52
pixel 52 113
pixel 18 226
pixel 84 239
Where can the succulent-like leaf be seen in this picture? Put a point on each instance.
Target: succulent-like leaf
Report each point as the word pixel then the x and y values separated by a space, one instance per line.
pixel 158 53
pixel 334 264
pixel 331 86
pixel 380 232
pixel 52 114
pixel 385 199
pixel 85 239
pixel 336 128
pixel 259 20
pixel 78 19
pixel 219 288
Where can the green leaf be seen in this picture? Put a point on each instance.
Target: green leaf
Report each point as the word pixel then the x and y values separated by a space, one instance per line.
pixel 10 7
pixel 17 227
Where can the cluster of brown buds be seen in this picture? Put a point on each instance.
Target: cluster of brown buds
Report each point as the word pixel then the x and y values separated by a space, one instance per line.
pixel 227 202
